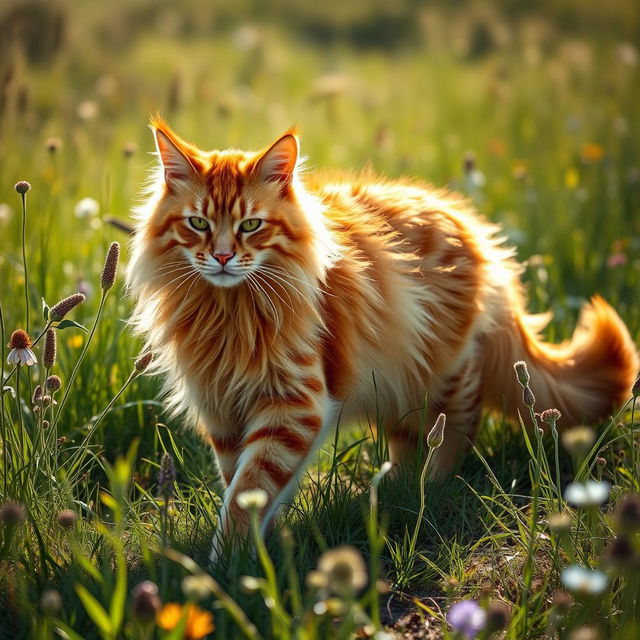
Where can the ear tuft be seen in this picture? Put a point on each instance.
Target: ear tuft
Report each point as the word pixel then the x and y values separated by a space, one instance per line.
pixel 278 163
pixel 175 161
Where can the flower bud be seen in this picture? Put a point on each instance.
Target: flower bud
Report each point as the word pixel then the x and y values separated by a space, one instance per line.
pixel 60 309
pixel 22 187
pixel 50 349
pixel 522 373
pixel 436 435
pixel 527 397
pixel 146 601
pixel 110 266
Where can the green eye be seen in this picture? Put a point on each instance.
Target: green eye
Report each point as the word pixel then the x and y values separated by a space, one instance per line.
pixel 250 225
pixel 198 223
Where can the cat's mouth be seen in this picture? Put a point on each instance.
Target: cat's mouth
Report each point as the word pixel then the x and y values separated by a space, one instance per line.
pixel 223 278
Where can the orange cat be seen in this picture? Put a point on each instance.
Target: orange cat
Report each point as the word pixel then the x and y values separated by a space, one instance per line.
pixel 271 300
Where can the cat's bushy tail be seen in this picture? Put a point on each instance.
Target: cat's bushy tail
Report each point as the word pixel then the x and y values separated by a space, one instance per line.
pixel 586 378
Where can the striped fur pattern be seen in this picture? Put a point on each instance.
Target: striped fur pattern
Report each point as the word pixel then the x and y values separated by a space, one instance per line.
pixel 270 299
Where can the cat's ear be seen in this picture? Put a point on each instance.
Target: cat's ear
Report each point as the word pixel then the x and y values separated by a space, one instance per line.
pixel 278 162
pixel 177 165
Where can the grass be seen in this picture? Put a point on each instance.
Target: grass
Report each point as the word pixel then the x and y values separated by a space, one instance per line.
pixel 552 122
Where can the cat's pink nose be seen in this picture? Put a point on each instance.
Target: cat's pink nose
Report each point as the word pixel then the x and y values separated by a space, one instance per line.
pixel 223 258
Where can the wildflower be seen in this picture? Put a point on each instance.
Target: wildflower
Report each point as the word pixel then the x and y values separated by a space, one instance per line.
pixel 620 551
pixel 196 587
pixel 550 416
pixel 110 266
pixel 51 602
pixel 585 581
pixel 22 187
pixel 571 179
pixel 467 617
pixel 254 499
pixel 527 397
pixel 37 395
pixel 87 110
pixel 591 152
pixel 86 208
pixel 436 435
pixel 616 260
pixel 578 441
pixel 628 513
pixel 587 494
pixel 53 383
pixel 143 362
pixel 146 601
pixel 497 616
pixel 60 309
pixel 166 475
pixel 559 523
pixel 344 568
pixel 50 349
pixel 20 353
pixel 199 622
pixel 67 518
pixel 522 373
pixel 12 514
pixel 52 145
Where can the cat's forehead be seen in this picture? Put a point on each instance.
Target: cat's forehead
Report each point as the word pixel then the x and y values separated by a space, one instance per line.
pixel 226 184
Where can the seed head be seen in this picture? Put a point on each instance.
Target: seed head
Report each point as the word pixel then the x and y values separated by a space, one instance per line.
pixel 497 616
pixel 37 394
pixel 527 397
pixel 22 187
pixel 67 518
pixel 436 435
pixel 53 383
pixel 522 373
pixel 19 340
pixel 146 601
pixel 559 523
pixel 50 349
pixel 129 149
pixel 52 145
pixel 635 390
pixel 252 499
pixel 51 602
pixel 166 476
pixel 550 416
pixel 344 568
pixel 578 441
pixel 45 424
pixel 628 513
pixel 143 362
pixel 110 266
pixel 12 514
pixel 60 309
pixel 196 587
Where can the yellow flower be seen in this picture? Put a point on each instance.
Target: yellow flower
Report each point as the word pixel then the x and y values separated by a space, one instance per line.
pixel 75 342
pixel 571 178
pixel 199 622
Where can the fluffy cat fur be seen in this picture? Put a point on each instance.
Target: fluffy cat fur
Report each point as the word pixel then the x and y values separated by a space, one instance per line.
pixel 262 334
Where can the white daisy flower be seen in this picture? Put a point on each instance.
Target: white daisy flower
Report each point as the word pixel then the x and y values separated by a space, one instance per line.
pixel 21 353
pixel 587 494
pixel 581 580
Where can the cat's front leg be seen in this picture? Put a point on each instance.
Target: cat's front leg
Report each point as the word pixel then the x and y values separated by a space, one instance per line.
pixel 281 432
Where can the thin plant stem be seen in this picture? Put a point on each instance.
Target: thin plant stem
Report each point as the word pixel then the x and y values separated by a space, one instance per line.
pixel 634 469
pixel 24 257
pixel 2 422
pixel 76 368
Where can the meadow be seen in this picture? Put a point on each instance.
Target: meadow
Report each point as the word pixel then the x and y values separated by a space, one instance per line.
pixel 533 113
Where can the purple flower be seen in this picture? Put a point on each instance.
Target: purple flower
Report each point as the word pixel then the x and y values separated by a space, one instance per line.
pixel 467 617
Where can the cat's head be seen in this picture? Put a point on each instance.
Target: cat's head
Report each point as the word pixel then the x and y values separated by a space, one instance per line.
pixel 234 217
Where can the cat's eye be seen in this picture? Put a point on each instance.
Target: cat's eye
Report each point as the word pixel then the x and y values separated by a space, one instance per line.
pixel 250 225
pixel 198 223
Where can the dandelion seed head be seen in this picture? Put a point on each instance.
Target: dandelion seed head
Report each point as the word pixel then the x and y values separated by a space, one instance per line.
pixel 110 266
pixel 87 208
pixel 587 494
pixel 344 568
pixel 585 581
pixel 60 309
pixel 22 187
pixel 578 441
pixel 253 499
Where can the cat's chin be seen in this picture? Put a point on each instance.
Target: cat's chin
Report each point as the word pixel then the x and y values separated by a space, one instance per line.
pixel 224 279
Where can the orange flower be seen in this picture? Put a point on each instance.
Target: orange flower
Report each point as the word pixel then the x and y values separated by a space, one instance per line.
pixel 591 152
pixel 199 622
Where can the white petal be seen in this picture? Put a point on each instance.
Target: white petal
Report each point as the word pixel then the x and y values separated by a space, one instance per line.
pixel 575 494
pixel 13 357
pixel 597 492
pixel 29 357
